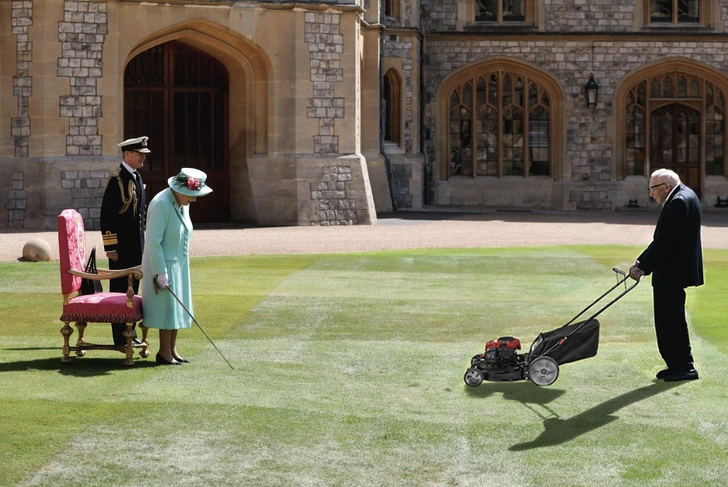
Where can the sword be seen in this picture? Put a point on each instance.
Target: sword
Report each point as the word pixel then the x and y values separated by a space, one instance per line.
pixel 157 286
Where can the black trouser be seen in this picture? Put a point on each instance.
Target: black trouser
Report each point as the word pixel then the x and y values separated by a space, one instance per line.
pixel 673 340
pixel 120 285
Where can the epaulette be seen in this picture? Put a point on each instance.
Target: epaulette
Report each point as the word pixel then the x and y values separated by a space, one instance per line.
pixel 114 174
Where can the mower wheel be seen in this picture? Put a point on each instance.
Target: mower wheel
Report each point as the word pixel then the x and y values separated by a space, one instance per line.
pixel 473 377
pixel 543 371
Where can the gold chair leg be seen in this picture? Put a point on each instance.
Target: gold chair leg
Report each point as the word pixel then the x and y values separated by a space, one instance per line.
pixel 145 342
pixel 66 331
pixel 129 334
pixel 145 332
pixel 81 326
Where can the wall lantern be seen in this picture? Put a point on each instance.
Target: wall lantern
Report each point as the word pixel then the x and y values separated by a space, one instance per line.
pixel 592 91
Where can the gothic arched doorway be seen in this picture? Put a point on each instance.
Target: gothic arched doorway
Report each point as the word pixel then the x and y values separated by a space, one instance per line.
pixel 178 96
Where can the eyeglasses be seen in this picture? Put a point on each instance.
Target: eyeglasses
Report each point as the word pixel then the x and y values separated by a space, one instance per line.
pixel 652 188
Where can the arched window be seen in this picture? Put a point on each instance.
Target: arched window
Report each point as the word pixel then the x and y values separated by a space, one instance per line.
pixel 499 124
pixel 393 102
pixel 675 120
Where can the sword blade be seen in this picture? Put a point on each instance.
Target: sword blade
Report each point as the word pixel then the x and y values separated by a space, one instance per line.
pixel 199 326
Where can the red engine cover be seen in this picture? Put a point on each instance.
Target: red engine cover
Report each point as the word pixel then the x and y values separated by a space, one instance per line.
pixel 504 342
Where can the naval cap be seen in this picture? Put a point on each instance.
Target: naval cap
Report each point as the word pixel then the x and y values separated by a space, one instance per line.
pixel 139 145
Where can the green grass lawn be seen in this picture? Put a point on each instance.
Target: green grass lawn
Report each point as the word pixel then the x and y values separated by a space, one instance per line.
pixel 348 372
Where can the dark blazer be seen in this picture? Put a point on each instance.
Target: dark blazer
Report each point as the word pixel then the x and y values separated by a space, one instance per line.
pixel 675 256
pixel 123 218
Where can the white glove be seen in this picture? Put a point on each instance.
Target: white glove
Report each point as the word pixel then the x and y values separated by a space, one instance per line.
pixel 162 281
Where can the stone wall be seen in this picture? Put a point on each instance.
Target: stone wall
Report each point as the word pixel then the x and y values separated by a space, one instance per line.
pixel 439 15
pixel 35 190
pixel 401 177
pixel 16 201
pixel 82 33
pixel 87 192
pixel 332 203
pixel 589 16
pixel 334 190
pixel 22 19
pixel 325 45
pixel 562 15
pixel 406 177
pixel 590 199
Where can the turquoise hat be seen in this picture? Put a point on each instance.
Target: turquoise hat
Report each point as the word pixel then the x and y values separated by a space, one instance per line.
pixel 190 182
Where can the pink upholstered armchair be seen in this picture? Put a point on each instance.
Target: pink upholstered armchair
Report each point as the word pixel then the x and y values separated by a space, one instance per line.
pixel 105 307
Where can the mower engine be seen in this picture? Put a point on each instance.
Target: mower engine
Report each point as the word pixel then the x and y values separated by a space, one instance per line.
pixel 502 352
pixel 500 362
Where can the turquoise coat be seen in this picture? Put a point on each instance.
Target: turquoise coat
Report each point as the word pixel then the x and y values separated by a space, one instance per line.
pixel 169 230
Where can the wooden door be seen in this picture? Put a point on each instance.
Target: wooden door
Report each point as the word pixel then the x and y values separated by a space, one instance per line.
pixel 675 142
pixel 178 96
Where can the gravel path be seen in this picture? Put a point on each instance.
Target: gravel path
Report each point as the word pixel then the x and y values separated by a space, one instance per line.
pixel 411 230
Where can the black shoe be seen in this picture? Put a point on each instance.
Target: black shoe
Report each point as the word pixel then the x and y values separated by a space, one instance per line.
pixel 663 373
pixel 163 361
pixel 182 360
pixel 691 374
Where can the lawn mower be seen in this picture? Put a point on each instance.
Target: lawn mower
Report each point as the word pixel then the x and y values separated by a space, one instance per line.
pixel 501 361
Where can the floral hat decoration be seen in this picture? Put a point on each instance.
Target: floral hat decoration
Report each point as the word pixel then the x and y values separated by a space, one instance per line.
pixel 190 182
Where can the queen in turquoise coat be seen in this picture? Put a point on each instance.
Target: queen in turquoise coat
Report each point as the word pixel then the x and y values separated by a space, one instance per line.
pixel 166 262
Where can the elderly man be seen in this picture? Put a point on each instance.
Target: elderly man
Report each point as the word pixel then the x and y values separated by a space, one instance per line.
pixel 675 260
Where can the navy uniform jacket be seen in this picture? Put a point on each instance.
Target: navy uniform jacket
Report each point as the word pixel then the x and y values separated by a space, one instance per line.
pixel 123 218
pixel 675 256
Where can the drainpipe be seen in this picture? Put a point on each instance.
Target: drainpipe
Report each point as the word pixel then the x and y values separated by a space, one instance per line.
pixel 426 173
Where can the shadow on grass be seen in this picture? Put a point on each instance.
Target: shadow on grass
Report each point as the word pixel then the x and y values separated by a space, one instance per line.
pixel 525 392
pixel 522 391
pixel 557 430
pixel 78 367
pixel 25 349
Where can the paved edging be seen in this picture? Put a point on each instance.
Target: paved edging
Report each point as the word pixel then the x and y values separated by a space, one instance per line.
pixel 413 231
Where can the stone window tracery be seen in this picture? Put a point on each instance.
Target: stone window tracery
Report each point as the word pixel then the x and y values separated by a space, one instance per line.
pixel 499 124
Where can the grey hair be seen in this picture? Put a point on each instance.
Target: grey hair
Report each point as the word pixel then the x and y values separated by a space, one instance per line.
pixel 672 178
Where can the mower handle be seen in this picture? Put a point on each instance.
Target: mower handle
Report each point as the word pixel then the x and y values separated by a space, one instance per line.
pixel 620 272
pixel 627 289
pixel 619 282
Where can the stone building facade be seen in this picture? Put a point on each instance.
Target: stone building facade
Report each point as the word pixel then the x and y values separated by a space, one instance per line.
pixel 264 97
pixel 327 112
pixel 504 85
